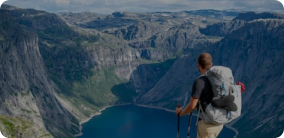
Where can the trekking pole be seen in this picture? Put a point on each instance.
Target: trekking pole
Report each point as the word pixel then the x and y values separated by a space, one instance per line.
pixel 178 106
pixel 189 124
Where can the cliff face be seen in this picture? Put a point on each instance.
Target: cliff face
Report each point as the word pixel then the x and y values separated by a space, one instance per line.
pixel 255 53
pixel 83 65
pixel 26 90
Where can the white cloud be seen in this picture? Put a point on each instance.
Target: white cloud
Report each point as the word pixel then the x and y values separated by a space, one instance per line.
pixel 109 6
pixel 60 2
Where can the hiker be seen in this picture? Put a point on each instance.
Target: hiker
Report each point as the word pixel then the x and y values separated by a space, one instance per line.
pixel 202 92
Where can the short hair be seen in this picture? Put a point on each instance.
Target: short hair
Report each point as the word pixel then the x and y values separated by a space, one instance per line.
pixel 205 60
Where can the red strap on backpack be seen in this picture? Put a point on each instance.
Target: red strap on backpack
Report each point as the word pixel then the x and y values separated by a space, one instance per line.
pixel 243 87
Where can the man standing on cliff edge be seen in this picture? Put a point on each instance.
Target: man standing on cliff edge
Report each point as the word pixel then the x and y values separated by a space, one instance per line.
pixel 202 92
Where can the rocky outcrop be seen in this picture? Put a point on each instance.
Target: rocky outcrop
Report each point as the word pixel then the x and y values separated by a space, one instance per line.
pixel 223 28
pixel 250 16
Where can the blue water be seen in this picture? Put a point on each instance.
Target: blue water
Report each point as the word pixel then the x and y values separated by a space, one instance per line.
pixel 131 121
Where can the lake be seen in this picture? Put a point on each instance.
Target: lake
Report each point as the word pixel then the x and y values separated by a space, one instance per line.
pixel 132 121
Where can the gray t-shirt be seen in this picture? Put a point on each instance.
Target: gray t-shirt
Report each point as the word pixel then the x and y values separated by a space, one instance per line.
pixel 202 90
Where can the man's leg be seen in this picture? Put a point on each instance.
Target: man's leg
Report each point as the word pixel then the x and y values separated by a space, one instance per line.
pixel 208 130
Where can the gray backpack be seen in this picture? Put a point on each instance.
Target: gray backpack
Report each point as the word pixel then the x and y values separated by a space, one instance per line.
pixel 222 81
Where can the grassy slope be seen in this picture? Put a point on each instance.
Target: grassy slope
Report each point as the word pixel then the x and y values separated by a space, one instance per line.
pixel 14 127
pixel 87 90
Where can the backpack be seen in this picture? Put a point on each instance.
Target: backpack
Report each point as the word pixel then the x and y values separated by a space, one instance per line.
pixel 222 81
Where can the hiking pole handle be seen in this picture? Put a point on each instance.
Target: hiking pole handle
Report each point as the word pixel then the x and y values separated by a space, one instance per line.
pixel 178 105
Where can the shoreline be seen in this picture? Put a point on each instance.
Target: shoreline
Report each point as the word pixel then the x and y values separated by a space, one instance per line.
pixel 95 114
pixel 229 126
pixel 141 105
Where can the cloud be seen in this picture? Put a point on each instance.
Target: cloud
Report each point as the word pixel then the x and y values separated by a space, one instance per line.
pixel 110 6
pixel 64 2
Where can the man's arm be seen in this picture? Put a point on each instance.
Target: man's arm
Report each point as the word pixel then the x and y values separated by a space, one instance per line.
pixel 189 107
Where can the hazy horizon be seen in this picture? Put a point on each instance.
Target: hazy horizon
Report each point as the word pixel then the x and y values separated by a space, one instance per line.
pixel 110 6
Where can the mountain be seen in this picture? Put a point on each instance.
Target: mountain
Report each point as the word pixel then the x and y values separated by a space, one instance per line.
pixel 57 70
pixel 157 36
pixel 223 28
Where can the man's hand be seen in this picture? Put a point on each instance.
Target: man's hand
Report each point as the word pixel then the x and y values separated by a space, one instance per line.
pixel 178 110
pixel 188 108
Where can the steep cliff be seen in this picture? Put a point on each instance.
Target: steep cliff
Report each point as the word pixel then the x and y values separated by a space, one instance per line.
pixel 26 90
pixel 255 53
pixel 84 64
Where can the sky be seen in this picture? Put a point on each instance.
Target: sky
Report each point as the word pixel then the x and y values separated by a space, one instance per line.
pixel 110 6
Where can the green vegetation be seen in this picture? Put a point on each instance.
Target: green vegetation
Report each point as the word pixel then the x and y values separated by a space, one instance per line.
pixel 25 94
pixel 5 25
pixel 124 92
pixel 65 36
pixel 13 127
pixel 99 85
pixel 58 35
pixel 2 38
pixel 27 111
pixel 101 89
pixel 163 67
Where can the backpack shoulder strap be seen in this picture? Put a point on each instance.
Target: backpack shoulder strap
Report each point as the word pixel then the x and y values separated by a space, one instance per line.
pixel 200 110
